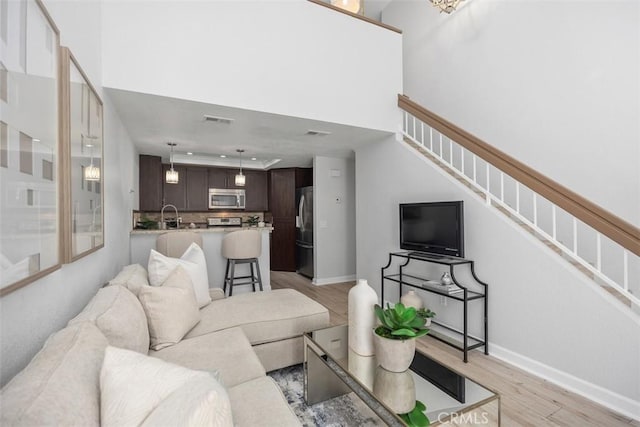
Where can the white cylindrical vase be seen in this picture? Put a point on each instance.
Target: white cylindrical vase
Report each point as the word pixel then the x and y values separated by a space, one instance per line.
pixel 362 318
pixel 410 299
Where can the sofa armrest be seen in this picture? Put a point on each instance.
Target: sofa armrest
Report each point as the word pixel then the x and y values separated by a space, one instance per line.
pixel 216 293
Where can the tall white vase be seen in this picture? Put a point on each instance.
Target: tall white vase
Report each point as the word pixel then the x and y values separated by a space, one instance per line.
pixel 410 299
pixel 362 318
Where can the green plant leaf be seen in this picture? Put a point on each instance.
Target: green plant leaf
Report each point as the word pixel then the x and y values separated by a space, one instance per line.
pixel 420 406
pixel 418 322
pixel 403 333
pixel 418 418
pixel 422 332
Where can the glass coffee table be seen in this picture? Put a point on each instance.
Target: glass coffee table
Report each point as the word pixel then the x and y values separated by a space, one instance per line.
pixel 332 369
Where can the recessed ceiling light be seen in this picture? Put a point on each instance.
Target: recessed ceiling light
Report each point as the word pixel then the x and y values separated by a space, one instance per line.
pixel 36 140
pixel 223 156
pixel 189 153
pixel 253 158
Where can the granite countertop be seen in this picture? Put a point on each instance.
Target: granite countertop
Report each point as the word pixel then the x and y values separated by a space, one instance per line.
pixel 202 230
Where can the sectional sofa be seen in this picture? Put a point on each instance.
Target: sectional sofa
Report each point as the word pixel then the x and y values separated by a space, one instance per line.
pixel 238 339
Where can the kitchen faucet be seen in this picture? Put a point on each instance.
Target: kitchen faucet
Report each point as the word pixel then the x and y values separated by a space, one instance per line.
pixel 163 226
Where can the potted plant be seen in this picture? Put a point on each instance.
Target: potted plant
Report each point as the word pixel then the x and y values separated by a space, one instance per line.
pixel 394 338
pixel 253 220
pixel 416 418
pixel 427 314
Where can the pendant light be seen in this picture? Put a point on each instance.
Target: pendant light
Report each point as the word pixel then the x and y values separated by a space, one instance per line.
pixel 171 177
pixel 446 6
pixel 91 172
pixel 240 178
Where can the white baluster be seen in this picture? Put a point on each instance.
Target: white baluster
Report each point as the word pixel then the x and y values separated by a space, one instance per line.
pixel 430 138
pixel 450 152
pixel 406 122
pixel 462 159
pixel 517 197
pixel 441 147
pixel 488 185
pixel 422 133
pixel 502 186
pixel 598 251
pixel 414 129
pixel 535 209
pixel 475 175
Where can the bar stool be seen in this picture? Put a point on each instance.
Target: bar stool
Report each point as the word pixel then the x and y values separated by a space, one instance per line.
pixel 242 247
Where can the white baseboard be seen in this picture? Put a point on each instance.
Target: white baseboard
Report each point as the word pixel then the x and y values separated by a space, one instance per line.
pixel 614 401
pixel 332 280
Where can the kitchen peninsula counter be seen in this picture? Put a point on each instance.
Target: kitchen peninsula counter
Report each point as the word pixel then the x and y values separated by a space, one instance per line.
pixel 201 230
pixel 142 241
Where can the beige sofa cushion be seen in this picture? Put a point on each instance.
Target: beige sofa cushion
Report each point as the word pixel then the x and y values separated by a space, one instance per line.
pixel 132 277
pixel 137 389
pixel 228 352
pixel 263 316
pixel 171 309
pixel 119 315
pixel 61 384
pixel 260 402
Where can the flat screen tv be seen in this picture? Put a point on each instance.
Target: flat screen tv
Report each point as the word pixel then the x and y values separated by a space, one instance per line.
pixel 434 228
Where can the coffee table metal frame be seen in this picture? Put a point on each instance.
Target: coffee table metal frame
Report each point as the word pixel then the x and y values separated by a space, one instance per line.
pixel 325 378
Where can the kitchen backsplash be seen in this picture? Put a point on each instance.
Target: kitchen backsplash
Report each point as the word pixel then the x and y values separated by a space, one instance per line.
pixel 198 218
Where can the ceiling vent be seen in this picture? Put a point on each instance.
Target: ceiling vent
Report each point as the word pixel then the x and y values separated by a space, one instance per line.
pixel 217 119
pixel 317 133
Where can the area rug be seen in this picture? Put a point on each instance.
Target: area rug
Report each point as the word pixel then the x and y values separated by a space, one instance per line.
pixel 342 411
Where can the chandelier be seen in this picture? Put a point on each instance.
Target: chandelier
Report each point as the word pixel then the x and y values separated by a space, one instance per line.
pixel 446 6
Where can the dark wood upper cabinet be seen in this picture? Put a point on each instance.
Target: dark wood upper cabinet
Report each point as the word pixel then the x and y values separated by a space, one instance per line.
pixel 217 178
pixel 304 177
pixel 175 194
pixel 150 183
pixel 197 181
pixel 256 191
pixel 282 193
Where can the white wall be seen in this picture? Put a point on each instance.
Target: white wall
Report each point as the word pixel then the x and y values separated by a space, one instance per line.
pixel 293 58
pixel 554 84
pixel 543 314
pixel 334 231
pixel 29 315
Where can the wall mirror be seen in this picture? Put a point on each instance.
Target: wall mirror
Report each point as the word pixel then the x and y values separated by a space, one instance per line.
pixel 29 156
pixel 84 154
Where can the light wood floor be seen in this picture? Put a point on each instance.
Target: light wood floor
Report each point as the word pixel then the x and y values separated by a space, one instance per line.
pixel 525 399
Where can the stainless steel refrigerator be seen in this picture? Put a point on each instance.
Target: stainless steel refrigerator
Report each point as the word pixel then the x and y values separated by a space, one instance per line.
pixel 304 231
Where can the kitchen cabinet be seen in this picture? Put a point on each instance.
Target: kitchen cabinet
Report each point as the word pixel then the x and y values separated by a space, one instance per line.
pixel 191 193
pixel 175 194
pixel 256 191
pixel 283 244
pixel 150 183
pixel 255 186
pixel 197 189
pixel 218 177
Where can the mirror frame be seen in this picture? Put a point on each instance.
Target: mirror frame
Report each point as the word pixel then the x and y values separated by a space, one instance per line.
pixel 34 272
pixel 67 61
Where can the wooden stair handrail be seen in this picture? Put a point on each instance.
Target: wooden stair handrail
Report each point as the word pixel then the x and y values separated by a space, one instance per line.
pixel 608 224
pixel 355 15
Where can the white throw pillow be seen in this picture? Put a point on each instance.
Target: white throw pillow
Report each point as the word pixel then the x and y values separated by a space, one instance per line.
pixel 140 390
pixel 171 309
pixel 193 261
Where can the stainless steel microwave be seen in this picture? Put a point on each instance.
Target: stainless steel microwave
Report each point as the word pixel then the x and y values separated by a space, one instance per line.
pixel 222 198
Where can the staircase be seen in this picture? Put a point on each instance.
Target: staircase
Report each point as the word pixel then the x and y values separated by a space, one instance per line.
pixel 600 245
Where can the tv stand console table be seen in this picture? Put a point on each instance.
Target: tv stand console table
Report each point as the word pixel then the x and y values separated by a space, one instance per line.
pixel 476 291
